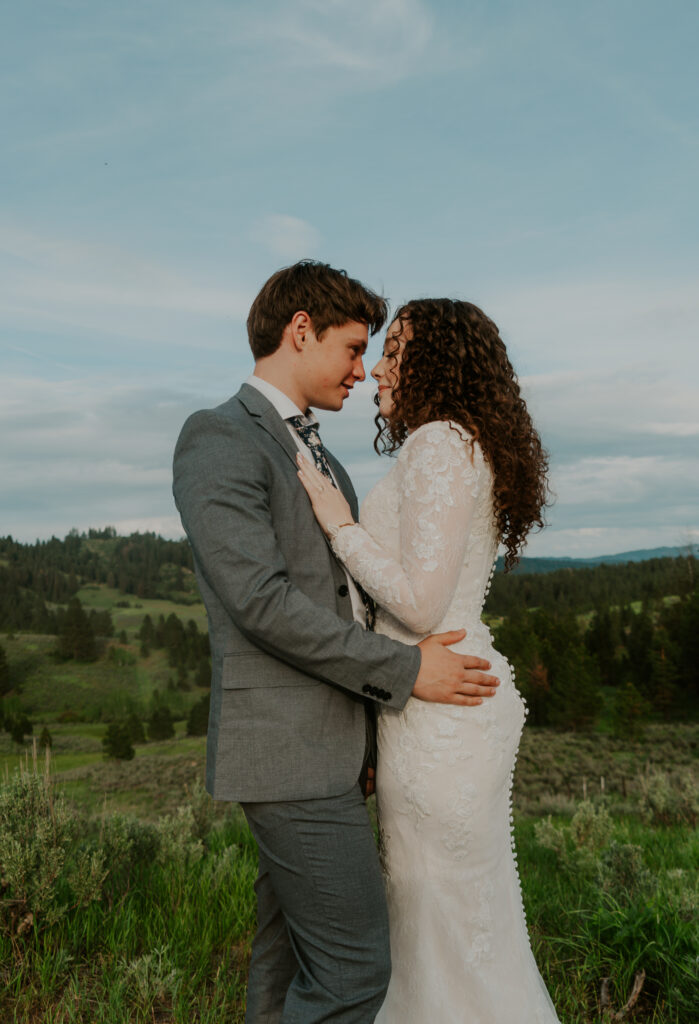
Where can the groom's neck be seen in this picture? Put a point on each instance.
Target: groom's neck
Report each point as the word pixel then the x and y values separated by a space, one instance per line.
pixel 276 372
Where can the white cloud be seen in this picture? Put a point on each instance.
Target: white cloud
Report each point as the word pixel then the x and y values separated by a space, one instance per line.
pixel 288 237
pixel 382 38
pixel 675 429
pixel 58 282
pixel 608 325
pixel 95 452
pixel 638 409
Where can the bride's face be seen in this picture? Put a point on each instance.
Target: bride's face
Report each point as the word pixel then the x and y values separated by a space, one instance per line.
pixel 387 371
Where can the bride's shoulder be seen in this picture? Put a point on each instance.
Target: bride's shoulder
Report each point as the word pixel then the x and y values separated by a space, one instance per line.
pixel 447 435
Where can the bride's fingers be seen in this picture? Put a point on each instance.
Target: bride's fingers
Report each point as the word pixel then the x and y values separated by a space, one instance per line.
pixel 309 473
pixel 306 475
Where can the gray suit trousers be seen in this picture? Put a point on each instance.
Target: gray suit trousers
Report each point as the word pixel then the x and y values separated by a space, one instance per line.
pixel 321 952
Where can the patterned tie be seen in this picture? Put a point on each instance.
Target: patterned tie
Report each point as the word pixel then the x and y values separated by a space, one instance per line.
pixel 308 432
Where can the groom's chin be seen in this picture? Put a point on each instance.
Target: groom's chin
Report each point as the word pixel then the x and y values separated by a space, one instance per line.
pixel 332 403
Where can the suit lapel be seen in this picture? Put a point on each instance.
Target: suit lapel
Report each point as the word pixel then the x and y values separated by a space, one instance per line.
pixel 268 418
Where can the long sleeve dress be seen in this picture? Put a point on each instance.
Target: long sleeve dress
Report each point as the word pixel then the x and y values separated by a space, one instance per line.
pixel 425 550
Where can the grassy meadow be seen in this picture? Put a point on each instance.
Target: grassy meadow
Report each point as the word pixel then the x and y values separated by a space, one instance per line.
pixel 131 898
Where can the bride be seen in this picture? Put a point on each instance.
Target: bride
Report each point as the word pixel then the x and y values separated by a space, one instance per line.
pixel 470 473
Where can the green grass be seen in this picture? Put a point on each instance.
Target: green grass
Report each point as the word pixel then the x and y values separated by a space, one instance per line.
pixel 581 936
pixel 170 941
pixel 166 946
pixel 101 597
pixel 167 942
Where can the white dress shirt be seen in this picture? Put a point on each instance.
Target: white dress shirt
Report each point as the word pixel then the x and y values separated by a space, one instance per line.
pixel 288 409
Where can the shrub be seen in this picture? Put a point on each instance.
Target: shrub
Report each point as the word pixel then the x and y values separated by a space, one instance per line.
pixel 18 727
pixel 669 799
pixel 578 844
pixel 151 977
pixel 125 843
pixel 44 874
pixel 179 844
pixel 202 809
pixel 621 872
pixel 70 716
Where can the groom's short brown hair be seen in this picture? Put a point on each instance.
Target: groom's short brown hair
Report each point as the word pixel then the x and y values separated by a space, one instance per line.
pixel 329 296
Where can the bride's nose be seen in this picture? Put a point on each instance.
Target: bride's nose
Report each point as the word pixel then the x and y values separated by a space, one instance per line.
pixel 376 371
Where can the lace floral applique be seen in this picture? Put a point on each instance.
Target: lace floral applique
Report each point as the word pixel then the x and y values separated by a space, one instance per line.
pixel 479 948
pixel 458 823
pixel 435 490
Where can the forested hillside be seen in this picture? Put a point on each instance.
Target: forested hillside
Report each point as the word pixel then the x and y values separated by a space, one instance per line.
pixel 611 642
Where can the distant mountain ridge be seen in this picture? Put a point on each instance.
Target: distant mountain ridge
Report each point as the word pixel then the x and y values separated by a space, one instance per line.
pixel 539 565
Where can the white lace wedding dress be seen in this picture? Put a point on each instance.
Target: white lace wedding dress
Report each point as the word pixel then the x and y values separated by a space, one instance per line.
pixel 425 551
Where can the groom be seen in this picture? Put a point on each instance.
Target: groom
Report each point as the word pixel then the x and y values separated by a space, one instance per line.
pixel 296 675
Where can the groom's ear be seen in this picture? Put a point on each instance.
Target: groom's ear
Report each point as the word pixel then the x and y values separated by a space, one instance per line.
pixel 300 328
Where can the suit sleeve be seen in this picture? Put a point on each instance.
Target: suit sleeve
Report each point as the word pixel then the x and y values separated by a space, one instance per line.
pixel 222 491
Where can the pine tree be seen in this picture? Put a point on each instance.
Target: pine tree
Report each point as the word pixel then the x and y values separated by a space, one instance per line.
pixel 134 727
pixel 203 676
pixel 160 724
pixel 5 683
pixel 19 727
pixel 117 743
pixel 538 692
pixel 664 676
pixel 147 631
pixel 198 721
pixel 76 639
pixel 182 680
pixel 630 709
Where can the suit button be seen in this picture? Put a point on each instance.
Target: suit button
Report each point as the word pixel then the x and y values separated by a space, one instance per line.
pixel 388 695
pixel 343 590
pixel 366 688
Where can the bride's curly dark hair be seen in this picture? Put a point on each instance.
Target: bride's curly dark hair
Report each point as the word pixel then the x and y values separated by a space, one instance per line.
pixel 455 367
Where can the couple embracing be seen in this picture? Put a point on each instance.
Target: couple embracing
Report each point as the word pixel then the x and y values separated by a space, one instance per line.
pixel 340 659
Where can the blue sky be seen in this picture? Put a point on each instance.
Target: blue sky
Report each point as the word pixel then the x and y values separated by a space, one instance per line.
pixel 161 160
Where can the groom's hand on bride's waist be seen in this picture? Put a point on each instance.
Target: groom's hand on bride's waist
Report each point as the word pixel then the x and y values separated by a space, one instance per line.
pixel 449 678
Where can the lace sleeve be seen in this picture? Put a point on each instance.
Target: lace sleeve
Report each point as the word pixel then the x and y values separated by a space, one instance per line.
pixel 442 474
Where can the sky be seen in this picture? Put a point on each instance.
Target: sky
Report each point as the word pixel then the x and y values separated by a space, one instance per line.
pixel 161 159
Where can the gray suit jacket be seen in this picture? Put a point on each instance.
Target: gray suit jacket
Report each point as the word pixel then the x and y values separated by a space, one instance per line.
pixel 291 669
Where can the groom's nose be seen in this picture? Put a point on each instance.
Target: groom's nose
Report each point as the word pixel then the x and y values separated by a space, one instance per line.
pixel 358 370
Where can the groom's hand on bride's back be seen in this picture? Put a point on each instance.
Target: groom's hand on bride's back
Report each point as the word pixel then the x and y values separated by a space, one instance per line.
pixel 449 678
